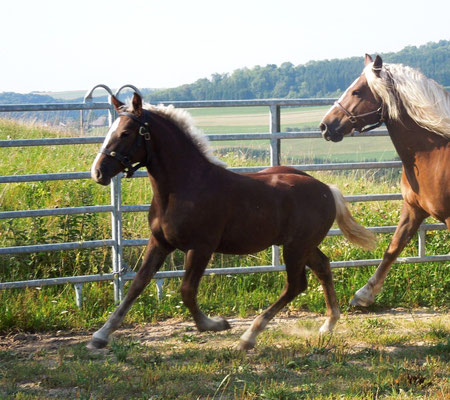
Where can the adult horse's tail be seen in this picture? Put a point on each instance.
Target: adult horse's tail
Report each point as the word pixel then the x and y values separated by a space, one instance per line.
pixel 350 228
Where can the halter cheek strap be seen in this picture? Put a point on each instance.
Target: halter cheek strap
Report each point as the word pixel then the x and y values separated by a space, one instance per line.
pixel 124 160
pixel 354 118
pixel 129 169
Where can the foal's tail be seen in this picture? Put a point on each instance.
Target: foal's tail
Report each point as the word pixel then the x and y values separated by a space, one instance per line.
pixel 350 228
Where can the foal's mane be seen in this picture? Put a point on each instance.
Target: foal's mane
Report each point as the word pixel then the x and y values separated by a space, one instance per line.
pixel 426 102
pixel 183 120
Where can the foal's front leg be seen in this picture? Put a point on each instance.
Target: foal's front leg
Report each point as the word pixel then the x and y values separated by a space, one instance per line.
pixel 195 265
pixel 153 259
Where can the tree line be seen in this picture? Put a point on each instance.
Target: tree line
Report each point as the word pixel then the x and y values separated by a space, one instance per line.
pixel 327 78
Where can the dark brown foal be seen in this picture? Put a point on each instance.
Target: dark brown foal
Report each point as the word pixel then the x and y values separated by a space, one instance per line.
pixel 200 208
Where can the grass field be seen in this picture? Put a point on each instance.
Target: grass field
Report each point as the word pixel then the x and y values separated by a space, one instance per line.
pixel 300 368
pixel 256 120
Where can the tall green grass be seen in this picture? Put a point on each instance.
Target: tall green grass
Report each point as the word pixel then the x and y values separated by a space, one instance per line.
pixel 50 308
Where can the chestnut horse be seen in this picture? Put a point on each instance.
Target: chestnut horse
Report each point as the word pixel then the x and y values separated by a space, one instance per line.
pixel 416 111
pixel 200 208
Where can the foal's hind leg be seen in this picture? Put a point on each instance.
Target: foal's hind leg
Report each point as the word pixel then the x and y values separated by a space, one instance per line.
pixel 196 262
pixel 153 259
pixel 296 283
pixel 410 220
pixel 320 265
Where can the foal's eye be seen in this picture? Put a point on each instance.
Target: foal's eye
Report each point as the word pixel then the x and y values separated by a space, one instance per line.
pixel 356 93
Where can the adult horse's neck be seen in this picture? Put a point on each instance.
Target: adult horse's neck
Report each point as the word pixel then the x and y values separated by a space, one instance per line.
pixel 414 145
pixel 176 161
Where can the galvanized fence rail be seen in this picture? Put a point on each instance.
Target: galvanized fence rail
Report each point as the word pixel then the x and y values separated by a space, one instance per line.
pixel 120 271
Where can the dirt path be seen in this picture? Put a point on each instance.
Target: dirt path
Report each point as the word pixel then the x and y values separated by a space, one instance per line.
pixel 173 327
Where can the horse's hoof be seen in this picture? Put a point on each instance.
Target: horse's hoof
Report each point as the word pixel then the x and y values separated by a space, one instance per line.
pixel 360 302
pixel 97 343
pixel 325 329
pixel 213 325
pixel 220 324
pixel 223 324
pixel 363 297
pixel 245 345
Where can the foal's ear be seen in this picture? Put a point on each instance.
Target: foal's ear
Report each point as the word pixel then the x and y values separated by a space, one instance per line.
pixel 377 65
pixel 137 104
pixel 117 103
pixel 367 59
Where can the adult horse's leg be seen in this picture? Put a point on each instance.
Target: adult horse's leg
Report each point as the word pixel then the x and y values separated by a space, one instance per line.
pixel 296 283
pixel 410 220
pixel 195 265
pixel 320 265
pixel 153 259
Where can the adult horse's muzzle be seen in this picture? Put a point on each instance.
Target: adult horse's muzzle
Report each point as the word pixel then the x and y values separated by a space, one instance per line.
pixel 328 134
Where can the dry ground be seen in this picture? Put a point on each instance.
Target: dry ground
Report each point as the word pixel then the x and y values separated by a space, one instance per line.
pixel 163 331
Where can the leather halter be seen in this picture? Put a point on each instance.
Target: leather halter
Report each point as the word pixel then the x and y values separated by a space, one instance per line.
pixel 129 169
pixel 354 118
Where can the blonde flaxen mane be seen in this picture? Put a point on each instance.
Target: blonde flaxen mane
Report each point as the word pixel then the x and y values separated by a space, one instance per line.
pixel 426 102
pixel 183 120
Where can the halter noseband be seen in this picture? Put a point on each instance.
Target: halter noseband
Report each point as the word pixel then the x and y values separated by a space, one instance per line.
pixel 124 160
pixel 354 118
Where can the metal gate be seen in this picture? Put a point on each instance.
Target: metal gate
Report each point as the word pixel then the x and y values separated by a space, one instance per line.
pixel 120 272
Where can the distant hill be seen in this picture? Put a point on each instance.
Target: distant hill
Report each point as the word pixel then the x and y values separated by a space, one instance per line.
pixel 54 117
pixel 29 98
pixel 34 98
pixel 78 95
pixel 327 78
pixel 71 95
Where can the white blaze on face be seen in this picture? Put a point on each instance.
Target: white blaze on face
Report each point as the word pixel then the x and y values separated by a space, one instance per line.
pixel 341 98
pixel 105 144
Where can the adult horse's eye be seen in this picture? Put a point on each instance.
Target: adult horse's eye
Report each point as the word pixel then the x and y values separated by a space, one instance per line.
pixel 356 93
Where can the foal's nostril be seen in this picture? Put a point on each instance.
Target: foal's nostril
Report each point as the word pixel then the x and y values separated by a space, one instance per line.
pixel 97 174
pixel 323 127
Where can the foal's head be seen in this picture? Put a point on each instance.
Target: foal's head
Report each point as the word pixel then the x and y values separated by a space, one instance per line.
pixel 357 109
pixel 126 143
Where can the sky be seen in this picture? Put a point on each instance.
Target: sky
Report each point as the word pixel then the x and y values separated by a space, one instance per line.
pixel 57 45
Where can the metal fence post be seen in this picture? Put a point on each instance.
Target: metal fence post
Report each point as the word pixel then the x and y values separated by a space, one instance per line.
pixel 81 123
pixel 275 151
pixel 159 288
pixel 79 294
pixel 275 126
pixel 421 243
pixel 116 225
pixel 120 264
pixel 116 222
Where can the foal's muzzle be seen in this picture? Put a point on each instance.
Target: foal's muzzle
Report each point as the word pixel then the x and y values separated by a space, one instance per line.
pixel 98 177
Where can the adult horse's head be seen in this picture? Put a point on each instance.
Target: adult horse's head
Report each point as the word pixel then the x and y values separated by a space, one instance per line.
pixel 127 143
pixel 357 109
